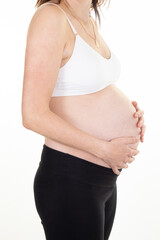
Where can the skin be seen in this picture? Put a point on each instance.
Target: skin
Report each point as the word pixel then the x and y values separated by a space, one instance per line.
pixel 38 116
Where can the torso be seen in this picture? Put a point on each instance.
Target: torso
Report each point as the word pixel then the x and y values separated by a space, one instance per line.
pixel 105 114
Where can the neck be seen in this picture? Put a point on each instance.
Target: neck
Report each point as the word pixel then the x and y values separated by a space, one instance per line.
pixel 79 8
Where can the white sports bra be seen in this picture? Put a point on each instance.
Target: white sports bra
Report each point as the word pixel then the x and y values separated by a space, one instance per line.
pixel 86 71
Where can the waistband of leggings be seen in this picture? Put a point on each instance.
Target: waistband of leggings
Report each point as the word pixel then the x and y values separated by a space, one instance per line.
pixel 76 167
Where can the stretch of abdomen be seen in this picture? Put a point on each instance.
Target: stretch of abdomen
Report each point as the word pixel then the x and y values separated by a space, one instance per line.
pixel 105 114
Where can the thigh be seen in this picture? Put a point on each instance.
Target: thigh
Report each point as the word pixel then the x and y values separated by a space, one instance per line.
pixel 110 210
pixel 69 209
pixel 85 210
pixel 50 201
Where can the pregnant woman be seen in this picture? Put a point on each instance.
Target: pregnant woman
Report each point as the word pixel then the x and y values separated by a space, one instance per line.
pixel 90 126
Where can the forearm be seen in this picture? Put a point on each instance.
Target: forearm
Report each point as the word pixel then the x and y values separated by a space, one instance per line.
pixel 54 127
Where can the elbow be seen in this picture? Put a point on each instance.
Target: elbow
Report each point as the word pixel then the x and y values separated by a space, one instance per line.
pixel 28 117
pixel 27 123
pixel 31 121
pixel 27 120
pixel 31 118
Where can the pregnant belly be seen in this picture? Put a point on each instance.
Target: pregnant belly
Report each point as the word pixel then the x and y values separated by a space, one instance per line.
pixel 106 114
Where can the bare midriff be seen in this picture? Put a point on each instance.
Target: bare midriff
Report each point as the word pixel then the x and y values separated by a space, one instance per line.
pixel 105 114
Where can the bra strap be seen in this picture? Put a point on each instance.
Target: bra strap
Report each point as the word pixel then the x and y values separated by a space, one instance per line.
pixel 74 30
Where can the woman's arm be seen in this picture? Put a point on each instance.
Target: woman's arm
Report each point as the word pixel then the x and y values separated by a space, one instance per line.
pixel 46 39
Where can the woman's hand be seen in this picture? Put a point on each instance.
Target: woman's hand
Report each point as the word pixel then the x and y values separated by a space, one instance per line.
pixel 139 113
pixel 116 152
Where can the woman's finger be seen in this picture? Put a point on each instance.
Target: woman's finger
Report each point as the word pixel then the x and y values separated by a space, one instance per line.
pixel 139 113
pixel 143 129
pixel 135 104
pixel 142 133
pixel 140 122
pixel 115 170
pixel 131 159
pixel 124 165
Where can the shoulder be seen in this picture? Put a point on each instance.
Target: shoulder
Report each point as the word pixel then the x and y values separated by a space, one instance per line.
pixel 49 8
pixel 48 17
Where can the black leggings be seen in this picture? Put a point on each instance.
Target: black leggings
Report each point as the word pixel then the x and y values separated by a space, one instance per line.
pixel 75 198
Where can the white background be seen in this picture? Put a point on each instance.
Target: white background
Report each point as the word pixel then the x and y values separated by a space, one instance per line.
pixel 131 29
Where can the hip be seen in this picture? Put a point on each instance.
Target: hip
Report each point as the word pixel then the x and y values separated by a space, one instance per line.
pixel 58 164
